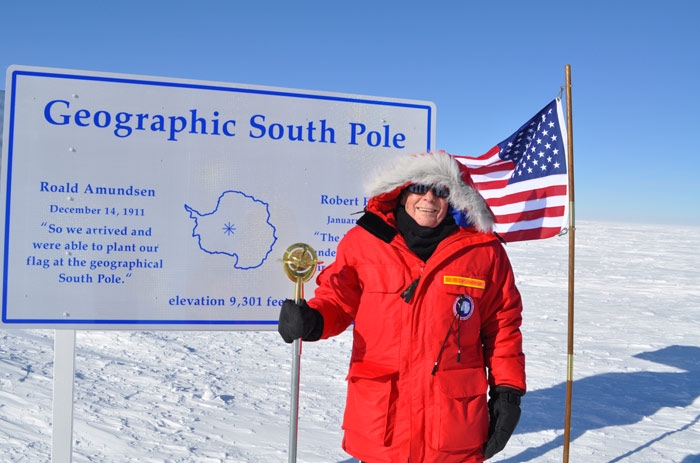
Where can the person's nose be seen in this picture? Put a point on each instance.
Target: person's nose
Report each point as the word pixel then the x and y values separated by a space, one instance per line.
pixel 430 196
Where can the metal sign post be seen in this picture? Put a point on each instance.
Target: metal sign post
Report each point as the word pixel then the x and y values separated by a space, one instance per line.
pixel 63 382
pixel 300 262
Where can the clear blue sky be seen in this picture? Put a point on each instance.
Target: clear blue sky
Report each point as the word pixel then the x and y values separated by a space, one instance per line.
pixel 487 65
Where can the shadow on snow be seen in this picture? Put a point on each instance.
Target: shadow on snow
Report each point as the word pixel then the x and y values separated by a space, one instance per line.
pixel 614 399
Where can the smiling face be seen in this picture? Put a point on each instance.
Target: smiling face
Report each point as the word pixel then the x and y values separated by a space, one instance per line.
pixel 426 209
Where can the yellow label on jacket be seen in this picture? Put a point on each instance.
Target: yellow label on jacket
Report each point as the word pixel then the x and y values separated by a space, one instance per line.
pixel 464 281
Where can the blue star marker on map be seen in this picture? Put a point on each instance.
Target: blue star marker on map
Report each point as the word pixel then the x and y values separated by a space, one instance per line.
pixel 248 235
pixel 229 228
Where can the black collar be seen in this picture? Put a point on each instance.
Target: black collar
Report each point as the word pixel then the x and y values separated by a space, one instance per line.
pixel 377 227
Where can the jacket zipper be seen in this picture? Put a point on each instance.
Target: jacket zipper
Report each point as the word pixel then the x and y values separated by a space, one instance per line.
pixel 407 295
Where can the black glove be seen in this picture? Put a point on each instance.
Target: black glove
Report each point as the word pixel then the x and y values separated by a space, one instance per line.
pixel 299 321
pixel 504 414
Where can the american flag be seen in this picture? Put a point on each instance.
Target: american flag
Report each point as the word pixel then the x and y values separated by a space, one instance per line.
pixel 524 178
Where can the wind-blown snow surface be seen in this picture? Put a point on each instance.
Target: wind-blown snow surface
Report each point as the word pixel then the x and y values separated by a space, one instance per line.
pixel 146 396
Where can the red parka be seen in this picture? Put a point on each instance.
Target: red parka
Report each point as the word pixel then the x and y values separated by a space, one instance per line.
pixel 428 338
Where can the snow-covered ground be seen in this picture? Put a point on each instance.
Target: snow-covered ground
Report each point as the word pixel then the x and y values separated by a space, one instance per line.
pixel 174 396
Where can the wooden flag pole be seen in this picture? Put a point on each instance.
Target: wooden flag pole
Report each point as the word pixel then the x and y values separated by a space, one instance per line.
pixel 572 235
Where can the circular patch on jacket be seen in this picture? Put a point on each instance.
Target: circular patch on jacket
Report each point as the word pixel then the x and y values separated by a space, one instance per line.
pixel 464 306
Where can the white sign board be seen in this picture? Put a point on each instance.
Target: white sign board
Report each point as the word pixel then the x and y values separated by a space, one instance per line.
pixel 134 202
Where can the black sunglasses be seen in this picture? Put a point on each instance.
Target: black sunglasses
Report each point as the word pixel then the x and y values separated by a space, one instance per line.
pixel 438 190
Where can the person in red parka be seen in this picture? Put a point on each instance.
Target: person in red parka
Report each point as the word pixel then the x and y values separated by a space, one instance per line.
pixel 436 316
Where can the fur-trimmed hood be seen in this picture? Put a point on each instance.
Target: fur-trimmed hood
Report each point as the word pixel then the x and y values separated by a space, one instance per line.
pixel 434 168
